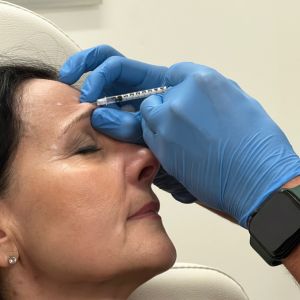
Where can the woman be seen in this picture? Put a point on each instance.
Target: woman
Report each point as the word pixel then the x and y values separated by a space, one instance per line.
pixel 78 218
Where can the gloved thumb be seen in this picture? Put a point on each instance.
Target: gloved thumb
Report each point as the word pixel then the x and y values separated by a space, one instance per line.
pixel 179 72
pixel 120 125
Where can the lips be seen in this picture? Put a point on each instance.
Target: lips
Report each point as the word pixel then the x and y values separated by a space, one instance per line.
pixel 151 207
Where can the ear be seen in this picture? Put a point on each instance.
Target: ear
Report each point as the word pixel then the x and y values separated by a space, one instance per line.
pixel 8 246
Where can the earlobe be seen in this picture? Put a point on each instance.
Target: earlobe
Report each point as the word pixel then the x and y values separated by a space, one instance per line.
pixel 8 251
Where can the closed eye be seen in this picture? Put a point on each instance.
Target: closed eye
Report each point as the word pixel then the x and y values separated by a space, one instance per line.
pixel 87 150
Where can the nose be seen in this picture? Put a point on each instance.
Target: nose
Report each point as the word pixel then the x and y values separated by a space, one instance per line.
pixel 140 164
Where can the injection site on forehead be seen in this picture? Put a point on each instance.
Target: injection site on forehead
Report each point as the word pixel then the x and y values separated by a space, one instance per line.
pixel 49 110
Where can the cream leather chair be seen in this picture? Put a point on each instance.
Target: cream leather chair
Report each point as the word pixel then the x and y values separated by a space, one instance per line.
pixel 25 34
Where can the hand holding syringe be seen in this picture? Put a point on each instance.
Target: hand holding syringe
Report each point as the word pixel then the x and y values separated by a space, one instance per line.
pixel 131 96
pixel 199 131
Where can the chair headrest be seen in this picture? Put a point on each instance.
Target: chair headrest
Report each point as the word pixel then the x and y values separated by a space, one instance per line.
pixel 25 34
pixel 190 281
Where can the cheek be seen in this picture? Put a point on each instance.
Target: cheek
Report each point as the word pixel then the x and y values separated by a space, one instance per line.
pixel 72 208
pixel 80 189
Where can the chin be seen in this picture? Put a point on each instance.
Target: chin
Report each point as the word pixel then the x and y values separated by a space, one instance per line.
pixel 152 251
pixel 167 258
pixel 160 260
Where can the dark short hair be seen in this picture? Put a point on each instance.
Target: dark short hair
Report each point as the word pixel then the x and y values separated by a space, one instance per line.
pixel 13 75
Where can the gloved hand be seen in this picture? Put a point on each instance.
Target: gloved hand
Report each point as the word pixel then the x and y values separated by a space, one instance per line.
pixel 113 74
pixel 217 141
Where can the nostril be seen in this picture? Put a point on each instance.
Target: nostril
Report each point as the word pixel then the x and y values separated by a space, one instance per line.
pixel 146 172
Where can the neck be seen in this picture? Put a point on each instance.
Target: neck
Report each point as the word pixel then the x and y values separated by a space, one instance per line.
pixel 23 286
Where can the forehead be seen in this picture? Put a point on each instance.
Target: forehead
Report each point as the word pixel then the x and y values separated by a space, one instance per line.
pixel 48 104
pixel 47 96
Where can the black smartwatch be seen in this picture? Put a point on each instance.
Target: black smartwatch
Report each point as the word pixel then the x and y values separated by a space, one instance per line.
pixel 275 226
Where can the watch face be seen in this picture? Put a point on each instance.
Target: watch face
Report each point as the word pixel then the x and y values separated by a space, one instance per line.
pixel 276 226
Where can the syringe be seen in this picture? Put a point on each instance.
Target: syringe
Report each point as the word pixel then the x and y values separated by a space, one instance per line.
pixel 131 96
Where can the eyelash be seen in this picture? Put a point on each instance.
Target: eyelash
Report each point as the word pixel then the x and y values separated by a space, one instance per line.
pixel 87 150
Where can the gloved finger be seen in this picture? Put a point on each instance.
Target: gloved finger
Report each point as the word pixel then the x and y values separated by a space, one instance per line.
pixel 234 83
pixel 85 61
pixel 120 125
pixel 186 198
pixel 179 72
pixel 148 135
pixel 131 72
pixel 112 106
pixel 136 104
pixel 150 111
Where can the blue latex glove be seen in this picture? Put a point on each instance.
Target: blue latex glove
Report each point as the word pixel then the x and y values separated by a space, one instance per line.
pixel 113 74
pixel 217 141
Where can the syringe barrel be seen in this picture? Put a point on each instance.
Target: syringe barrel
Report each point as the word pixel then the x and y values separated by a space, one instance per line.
pixel 131 96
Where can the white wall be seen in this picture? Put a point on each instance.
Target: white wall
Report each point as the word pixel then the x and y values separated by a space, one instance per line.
pixel 256 43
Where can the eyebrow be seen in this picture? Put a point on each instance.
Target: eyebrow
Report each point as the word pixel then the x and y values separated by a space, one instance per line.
pixel 76 120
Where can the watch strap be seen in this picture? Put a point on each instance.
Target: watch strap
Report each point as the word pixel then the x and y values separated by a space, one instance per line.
pixel 296 191
pixel 264 255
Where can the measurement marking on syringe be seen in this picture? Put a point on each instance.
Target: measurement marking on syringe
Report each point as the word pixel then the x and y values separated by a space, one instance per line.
pixel 131 96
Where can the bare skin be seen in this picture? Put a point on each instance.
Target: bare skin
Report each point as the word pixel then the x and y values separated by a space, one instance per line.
pixel 292 262
pixel 67 216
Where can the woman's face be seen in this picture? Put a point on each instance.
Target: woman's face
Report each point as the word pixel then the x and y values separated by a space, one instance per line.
pixel 76 190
